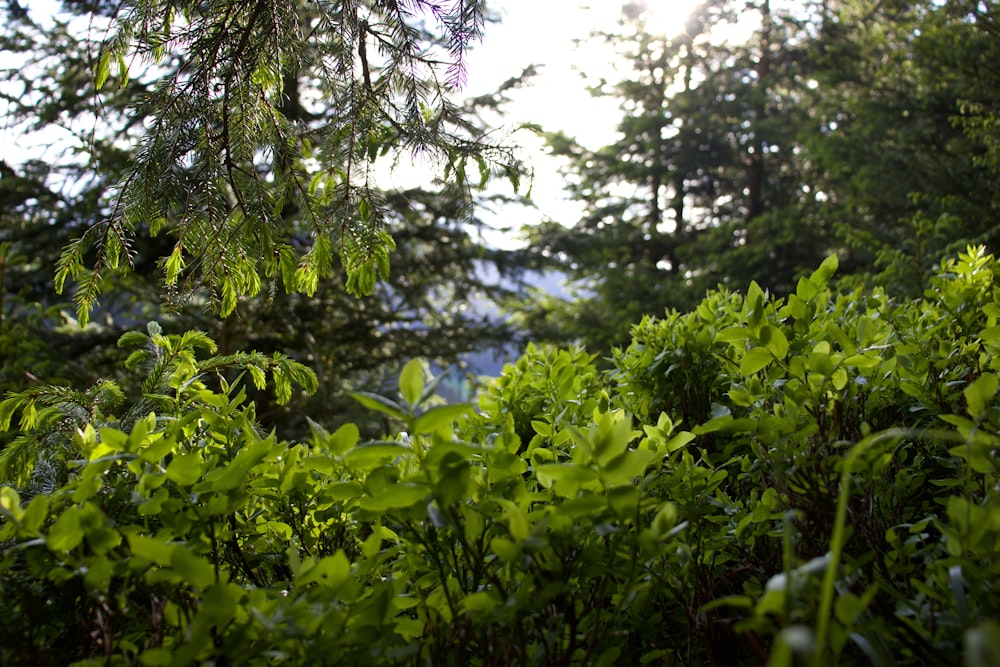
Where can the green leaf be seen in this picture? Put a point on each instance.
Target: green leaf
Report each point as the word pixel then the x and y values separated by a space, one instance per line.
pixel 847 608
pixel 822 275
pixel 195 570
pixel 103 539
pixel 979 456
pixel 566 478
pixel 517 522
pixel 754 360
pixel 371 452
pixel 397 496
pixel 861 361
pixel 157 657
pixel 229 297
pixel 34 513
pixel 219 603
pixel 679 440
pixel 10 503
pixel 234 473
pixel 990 333
pixel 452 483
pixel 656 654
pixel 755 300
pixel 380 404
pixel 7 408
pixel 306 279
pixel 732 335
pixel 185 469
pixel 664 520
pixel 774 340
pixel 436 418
pixel 331 572
pixel 481 602
pixel 122 71
pixel 979 395
pixel 103 70
pixel 839 379
pixel 628 465
pixel 343 438
pixel 505 549
pixel 806 289
pixel 344 491
pixel 411 382
pixel 174 265
pixel 542 428
pixel 66 533
pixel 151 549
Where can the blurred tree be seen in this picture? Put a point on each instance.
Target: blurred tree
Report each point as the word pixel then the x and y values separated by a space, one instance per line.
pixel 899 153
pixel 766 136
pixel 703 185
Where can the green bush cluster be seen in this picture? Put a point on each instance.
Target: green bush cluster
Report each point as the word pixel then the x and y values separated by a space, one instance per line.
pixel 834 500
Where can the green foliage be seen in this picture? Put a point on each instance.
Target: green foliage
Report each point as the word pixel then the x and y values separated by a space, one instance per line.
pixel 270 111
pixel 836 505
pixel 431 304
pixel 674 364
pixel 703 185
pixel 901 154
pixel 800 473
pixel 174 380
pixel 545 388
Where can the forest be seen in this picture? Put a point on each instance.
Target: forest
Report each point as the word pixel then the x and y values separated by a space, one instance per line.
pixel 243 413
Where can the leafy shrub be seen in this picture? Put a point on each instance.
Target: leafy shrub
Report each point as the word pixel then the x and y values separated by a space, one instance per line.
pixel 834 502
pixel 675 364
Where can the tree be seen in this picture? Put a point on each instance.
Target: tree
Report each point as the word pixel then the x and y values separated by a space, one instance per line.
pixel 426 307
pixel 903 172
pixel 857 128
pixel 702 186
pixel 257 109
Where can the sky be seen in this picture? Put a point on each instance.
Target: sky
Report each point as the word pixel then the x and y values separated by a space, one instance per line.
pixel 545 33
pixel 542 33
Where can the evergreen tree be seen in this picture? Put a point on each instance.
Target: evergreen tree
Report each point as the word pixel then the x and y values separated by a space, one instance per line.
pixel 253 110
pixel 853 127
pixel 899 153
pixel 282 300
pixel 702 186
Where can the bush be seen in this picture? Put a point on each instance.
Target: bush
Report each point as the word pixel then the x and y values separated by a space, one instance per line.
pixel 834 501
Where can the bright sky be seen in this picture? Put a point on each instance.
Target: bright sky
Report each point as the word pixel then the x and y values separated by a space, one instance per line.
pixel 543 32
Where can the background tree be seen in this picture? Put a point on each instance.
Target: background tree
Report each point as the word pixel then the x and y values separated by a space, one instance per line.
pixel 752 152
pixel 903 172
pixel 707 162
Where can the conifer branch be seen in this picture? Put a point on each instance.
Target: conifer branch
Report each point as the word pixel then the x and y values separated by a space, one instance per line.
pixel 220 160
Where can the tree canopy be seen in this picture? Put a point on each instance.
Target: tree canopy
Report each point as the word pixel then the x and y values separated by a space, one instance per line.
pixel 151 199
pixel 261 126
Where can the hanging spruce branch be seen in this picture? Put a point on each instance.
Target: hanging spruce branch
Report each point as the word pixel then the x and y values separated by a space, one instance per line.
pixel 229 149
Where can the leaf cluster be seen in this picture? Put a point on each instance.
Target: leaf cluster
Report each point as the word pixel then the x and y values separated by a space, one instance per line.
pixel 836 505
